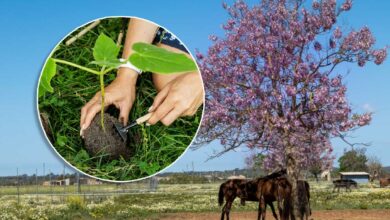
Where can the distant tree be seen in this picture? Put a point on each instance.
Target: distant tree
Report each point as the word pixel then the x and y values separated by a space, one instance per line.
pixel 254 161
pixel 374 167
pixel 315 169
pixel 353 160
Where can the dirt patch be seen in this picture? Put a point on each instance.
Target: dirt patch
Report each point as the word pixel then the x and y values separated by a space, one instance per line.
pixel 109 143
pixel 376 214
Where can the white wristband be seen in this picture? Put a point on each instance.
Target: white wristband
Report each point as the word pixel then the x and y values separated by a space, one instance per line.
pixel 129 65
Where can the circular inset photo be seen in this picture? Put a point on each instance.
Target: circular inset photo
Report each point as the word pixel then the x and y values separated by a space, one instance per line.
pixel 120 98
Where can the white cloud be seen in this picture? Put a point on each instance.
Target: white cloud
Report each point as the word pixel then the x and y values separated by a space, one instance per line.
pixel 367 107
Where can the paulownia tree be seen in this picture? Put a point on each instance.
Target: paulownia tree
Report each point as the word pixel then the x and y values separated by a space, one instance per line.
pixel 273 84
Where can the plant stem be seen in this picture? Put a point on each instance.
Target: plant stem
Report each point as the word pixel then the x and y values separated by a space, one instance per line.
pixel 101 76
pixel 108 70
pixel 76 65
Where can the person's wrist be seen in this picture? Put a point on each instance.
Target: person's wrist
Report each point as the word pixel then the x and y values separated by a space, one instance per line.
pixel 128 75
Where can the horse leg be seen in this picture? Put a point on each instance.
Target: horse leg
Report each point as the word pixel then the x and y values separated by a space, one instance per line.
pixel 307 211
pixel 228 207
pixel 223 211
pixel 261 207
pixel 279 209
pixel 289 210
pixel 259 211
pixel 273 210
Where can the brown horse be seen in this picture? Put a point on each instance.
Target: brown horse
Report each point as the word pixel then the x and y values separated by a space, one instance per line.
pixel 241 188
pixel 249 191
pixel 279 189
pixel 383 182
pixel 270 190
pixel 228 190
pixel 246 190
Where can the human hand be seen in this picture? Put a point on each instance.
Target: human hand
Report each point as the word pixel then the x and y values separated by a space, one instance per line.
pixel 180 97
pixel 120 93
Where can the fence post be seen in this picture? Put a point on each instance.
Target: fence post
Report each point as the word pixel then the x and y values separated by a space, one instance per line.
pixel 36 184
pixel 17 183
pixel 63 180
pixel 51 187
pixel 78 183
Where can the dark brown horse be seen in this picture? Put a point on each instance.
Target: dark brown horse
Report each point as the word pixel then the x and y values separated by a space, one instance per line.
pixel 246 190
pixel 279 189
pixel 241 188
pixel 270 190
pixel 228 190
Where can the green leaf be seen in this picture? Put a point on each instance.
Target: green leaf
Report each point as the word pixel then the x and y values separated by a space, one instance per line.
pixel 151 58
pixel 81 156
pixel 109 63
pixel 47 74
pixel 149 169
pixel 61 140
pixel 105 50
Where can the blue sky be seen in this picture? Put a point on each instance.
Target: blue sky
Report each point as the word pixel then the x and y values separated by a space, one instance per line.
pixel 31 30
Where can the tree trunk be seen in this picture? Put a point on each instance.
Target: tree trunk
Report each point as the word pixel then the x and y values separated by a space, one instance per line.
pixel 292 175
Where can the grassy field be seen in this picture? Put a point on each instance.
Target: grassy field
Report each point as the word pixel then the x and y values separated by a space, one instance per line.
pixel 178 198
pixel 154 147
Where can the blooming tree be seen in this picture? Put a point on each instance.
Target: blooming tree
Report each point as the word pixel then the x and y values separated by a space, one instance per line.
pixel 272 81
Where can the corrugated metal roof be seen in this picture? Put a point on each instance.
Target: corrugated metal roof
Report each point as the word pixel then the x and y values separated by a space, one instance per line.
pixel 354 173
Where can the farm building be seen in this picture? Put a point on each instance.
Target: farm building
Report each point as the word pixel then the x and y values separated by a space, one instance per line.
pixel 62 182
pixel 359 177
pixel 236 177
pixel 89 181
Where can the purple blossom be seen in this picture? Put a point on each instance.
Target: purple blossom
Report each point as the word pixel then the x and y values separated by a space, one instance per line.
pixel 358 40
pixel 347 5
pixel 364 119
pixel 316 5
pixel 337 33
pixel 317 46
pixel 361 61
pixel 336 82
pixel 199 55
pixel 213 38
pixel 291 91
pixel 332 43
pixel 379 55
pixel 224 5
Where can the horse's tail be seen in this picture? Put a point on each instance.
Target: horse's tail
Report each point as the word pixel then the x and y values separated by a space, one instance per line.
pixel 220 194
pixel 287 207
pixel 307 186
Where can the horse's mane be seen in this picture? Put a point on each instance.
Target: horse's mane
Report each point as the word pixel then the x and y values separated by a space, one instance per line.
pixel 276 174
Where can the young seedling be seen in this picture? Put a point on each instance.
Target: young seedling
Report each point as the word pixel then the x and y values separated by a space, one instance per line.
pixel 146 57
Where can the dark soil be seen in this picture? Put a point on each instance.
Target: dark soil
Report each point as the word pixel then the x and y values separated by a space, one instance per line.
pixel 108 143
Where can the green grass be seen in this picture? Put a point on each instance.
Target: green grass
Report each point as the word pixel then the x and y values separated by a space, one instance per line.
pixel 156 146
